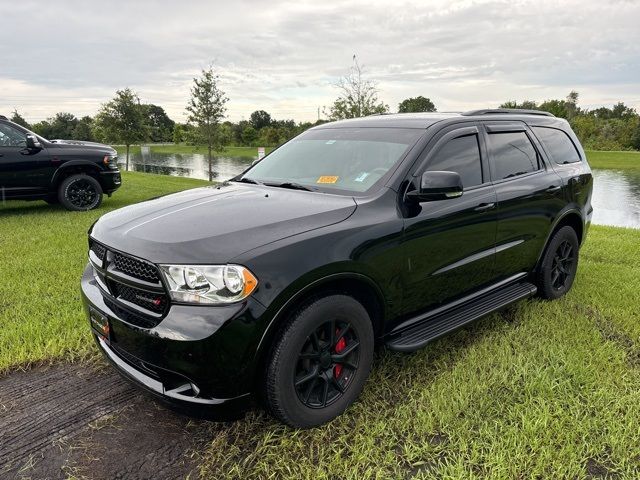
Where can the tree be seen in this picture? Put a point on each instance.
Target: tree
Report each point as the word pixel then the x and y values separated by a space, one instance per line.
pixel 206 108
pixel 62 125
pixel 269 136
pixel 160 125
pixel 249 136
pixel 567 108
pixel 122 120
pixel 416 104
pixel 260 119
pixel 83 129
pixel 19 119
pixel 526 105
pixel 358 96
pixel 179 133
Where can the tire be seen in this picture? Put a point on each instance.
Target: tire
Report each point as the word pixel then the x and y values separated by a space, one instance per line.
pixel 335 371
pixel 559 264
pixel 80 193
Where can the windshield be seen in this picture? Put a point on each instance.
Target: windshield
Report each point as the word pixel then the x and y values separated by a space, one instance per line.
pixel 340 160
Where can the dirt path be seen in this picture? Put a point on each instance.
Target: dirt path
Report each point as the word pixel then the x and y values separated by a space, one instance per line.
pixel 87 422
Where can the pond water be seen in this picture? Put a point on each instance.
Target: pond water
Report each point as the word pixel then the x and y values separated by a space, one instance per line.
pixel 192 165
pixel 616 194
pixel 616 198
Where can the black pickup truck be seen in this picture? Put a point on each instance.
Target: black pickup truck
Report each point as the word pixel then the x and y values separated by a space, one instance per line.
pixel 76 174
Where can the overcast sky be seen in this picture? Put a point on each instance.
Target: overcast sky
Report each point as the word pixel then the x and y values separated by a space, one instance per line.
pixel 283 57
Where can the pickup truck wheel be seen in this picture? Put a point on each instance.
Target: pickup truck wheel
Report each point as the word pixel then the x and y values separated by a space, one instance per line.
pixel 320 362
pixel 80 192
pixel 559 264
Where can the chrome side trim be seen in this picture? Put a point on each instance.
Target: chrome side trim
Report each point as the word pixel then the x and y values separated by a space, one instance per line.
pixel 478 256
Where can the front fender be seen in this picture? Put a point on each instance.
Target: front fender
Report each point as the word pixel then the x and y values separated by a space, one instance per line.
pixel 73 166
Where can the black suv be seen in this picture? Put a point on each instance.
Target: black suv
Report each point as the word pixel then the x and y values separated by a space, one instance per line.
pixel 391 229
pixel 76 174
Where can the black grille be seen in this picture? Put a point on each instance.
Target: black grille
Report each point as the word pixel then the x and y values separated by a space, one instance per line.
pixel 131 317
pixel 136 268
pixel 98 250
pixel 152 301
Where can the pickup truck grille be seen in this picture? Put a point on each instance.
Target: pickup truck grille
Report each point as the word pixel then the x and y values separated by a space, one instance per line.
pixel 131 286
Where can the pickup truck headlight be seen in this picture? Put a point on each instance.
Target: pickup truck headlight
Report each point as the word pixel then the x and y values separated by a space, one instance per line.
pixel 208 284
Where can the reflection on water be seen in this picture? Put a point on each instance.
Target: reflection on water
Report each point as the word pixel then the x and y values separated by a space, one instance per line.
pixel 616 198
pixel 616 194
pixel 192 165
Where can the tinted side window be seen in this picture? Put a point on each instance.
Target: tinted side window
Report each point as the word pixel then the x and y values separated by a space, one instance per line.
pixel 512 154
pixel 10 137
pixel 558 145
pixel 461 155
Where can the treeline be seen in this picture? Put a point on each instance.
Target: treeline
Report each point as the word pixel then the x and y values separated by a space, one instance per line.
pixel 260 130
pixel 615 128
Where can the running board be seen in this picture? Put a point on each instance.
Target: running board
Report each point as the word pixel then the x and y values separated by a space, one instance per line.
pixel 441 322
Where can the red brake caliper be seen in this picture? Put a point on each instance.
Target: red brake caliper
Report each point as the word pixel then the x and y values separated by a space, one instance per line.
pixel 337 370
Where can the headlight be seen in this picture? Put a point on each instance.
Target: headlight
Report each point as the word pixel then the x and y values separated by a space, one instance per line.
pixel 208 284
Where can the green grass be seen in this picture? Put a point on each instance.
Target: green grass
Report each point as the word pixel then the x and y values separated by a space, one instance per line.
pixel 42 255
pixel 189 149
pixel 614 160
pixel 542 390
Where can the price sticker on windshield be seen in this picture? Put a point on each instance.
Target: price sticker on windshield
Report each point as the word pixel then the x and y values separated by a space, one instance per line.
pixel 327 179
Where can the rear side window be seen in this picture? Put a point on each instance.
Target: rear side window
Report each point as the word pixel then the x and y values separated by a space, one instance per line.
pixel 512 154
pixel 460 155
pixel 558 145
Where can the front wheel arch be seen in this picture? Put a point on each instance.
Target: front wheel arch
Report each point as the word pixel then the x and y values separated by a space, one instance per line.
pixel 358 286
pixel 75 168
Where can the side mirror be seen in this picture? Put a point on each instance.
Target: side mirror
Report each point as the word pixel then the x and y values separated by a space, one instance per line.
pixel 33 143
pixel 437 186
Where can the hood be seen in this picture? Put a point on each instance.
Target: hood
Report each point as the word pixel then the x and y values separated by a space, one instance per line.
pixel 73 145
pixel 216 224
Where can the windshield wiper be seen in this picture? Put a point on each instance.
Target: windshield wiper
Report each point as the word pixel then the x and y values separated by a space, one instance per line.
pixel 291 185
pixel 248 180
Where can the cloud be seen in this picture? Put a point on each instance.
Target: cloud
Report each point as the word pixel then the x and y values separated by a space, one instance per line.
pixel 283 56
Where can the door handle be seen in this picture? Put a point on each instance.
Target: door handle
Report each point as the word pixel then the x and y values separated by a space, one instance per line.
pixel 553 188
pixel 1 154
pixel 483 207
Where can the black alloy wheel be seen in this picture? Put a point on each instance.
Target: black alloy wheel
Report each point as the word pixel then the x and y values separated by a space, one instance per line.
pixel 80 192
pixel 327 364
pixel 559 264
pixel 320 361
pixel 562 266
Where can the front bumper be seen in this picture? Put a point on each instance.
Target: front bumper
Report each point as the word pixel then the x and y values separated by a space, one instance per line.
pixel 196 356
pixel 110 181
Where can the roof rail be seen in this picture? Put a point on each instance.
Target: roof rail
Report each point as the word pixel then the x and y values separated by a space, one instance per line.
pixel 521 111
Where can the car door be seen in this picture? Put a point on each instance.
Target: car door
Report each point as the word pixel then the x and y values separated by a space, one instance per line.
pixel 22 171
pixel 449 244
pixel 529 195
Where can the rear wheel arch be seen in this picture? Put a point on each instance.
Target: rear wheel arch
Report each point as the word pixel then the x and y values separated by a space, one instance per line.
pixel 571 218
